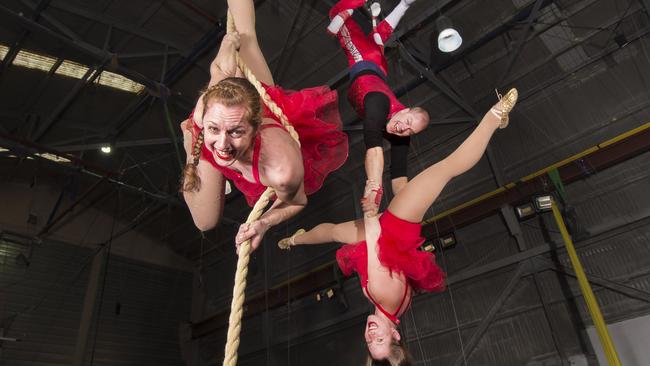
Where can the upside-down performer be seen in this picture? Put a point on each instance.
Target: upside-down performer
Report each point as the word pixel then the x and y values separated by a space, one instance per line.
pixel 382 113
pixel 232 135
pixel 385 249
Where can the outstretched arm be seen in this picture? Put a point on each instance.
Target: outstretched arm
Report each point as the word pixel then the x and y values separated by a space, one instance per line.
pixel 381 282
pixel 280 167
pixel 225 62
pixel 206 202
pixel 243 13
pixel 376 107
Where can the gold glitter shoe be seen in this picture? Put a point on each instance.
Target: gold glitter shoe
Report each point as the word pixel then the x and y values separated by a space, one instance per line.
pixel 287 243
pixel 508 102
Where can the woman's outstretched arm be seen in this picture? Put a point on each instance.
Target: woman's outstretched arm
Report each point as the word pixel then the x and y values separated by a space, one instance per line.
pixel 243 12
pixel 206 202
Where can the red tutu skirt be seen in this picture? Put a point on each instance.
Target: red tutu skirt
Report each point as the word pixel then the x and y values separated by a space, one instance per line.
pixel 398 251
pixel 314 113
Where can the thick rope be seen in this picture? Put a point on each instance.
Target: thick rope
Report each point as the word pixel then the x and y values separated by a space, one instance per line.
pixel 239 289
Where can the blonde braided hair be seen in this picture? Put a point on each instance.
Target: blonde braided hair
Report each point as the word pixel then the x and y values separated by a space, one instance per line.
pixel 191 181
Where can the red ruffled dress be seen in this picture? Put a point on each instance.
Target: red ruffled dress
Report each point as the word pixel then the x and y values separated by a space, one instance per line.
pixel 397 249
pixel 314 114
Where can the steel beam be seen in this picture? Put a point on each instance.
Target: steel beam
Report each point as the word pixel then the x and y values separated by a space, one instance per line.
pixel 514 54
pixel 58 25
pixel 117 144
pixel 646 5
pixel 18 44
pixel 433 78
pixel 487 320
pixel 53 117
pixel 639 34
pixel 22 146
pixel 74 204
pixel 206 43
pixel 615 286
pixel 115 23
pixel 514 227
pixel 150 54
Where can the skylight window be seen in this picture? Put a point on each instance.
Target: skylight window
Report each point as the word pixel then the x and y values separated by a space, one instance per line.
pixel 53 157
pixel 70 69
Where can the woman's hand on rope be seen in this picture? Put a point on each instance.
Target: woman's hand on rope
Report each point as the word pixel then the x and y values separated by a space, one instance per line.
pixel 254 231
pixel 226 60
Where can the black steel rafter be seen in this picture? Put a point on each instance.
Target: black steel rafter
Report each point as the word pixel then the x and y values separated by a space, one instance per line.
pixel 53 117
pixel 514 54
pixel 491 314
pixel 499 30
pixel 18 44
pixel 99 55
pixel 646 5
pixel 115 23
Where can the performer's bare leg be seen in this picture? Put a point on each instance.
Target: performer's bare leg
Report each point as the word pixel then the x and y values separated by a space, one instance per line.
pixel 419 194
pixel 346 232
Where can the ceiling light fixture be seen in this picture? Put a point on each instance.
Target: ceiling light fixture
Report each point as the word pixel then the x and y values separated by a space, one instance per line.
pixel 106 149
pixel 449 40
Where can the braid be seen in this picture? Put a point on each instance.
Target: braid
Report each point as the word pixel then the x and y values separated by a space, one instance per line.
pixel 191 181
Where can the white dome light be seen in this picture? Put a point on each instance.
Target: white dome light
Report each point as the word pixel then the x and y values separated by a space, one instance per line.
pixel 449 40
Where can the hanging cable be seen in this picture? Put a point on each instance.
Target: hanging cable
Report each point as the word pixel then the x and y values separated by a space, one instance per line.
pixel 103 287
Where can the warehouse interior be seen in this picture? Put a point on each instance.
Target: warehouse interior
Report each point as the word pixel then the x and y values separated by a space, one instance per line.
pixel 100 260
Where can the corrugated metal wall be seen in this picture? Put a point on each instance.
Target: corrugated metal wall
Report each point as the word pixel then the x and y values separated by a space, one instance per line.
pixel 41 305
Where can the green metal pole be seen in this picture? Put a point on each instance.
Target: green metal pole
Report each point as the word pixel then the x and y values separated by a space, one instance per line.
pixel 587 293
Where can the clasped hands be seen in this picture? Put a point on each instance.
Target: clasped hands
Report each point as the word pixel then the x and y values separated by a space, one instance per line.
pixel 372 194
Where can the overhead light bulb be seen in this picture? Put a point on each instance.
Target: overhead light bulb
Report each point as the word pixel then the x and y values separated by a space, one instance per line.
pixel 449 40
pixel 106 149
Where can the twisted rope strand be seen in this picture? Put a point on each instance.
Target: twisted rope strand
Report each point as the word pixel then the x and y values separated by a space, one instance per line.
pixel 238 297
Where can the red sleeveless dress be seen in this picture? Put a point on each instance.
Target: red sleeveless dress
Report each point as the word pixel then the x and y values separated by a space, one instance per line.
pixel 398 251
pixel 314 114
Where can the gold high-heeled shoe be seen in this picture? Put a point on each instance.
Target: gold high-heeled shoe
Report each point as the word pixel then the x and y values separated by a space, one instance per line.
pixel 287 243
pixel 508 102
